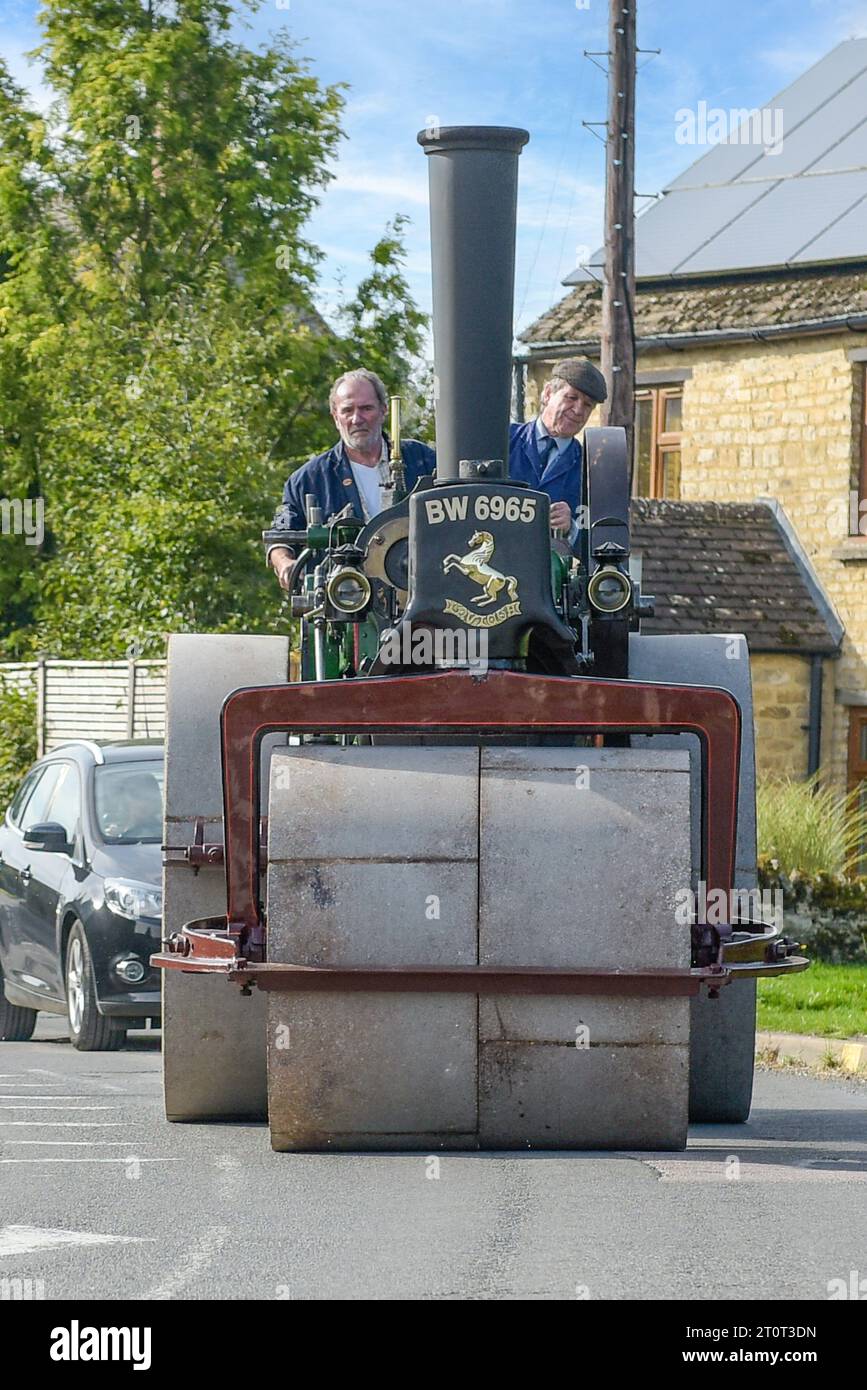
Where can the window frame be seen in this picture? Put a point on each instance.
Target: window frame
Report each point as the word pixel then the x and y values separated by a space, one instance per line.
pixel 662 441
pixel 47 769
pixel 26 785
pixel 74 775
pixel 143 764
pixel 856 765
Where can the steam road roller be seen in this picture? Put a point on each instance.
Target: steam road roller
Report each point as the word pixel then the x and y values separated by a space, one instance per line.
pixel 485 875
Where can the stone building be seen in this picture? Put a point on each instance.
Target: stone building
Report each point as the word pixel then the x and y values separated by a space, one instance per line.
pixel 751 328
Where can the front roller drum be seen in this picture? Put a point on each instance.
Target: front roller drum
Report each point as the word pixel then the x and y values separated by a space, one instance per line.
pixel 455 857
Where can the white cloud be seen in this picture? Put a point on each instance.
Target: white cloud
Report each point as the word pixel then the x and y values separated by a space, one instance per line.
pixel 399 188
pixel 372 104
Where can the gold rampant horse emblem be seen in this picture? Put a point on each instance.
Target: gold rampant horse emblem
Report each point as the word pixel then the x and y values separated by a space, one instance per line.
pixel 475 565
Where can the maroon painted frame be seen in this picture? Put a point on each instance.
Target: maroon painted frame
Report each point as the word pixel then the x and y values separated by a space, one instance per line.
pixel 464 702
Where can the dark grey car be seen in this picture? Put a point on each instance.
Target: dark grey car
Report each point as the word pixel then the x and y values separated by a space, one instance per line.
pixel 80 893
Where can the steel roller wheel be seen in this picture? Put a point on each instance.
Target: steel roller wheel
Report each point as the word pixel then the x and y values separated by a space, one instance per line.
pixel 213 1038
pixel 722 1031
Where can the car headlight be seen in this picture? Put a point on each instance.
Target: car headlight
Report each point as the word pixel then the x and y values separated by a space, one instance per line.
pixel 133 900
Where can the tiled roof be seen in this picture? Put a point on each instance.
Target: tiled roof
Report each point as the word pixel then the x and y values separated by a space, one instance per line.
pixel 725 567
pixel 752 302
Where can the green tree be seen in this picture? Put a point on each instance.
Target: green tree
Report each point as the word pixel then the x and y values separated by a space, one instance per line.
pixel 163 480
pixel 17 737
pixel 177 147
pixel 381 323
pixel 33 293
pixel 384 330
pixel 162 365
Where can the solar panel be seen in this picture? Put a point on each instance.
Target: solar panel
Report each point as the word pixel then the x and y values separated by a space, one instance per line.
pixel 767 209
pixel 775 228
pixel 816 142
pixel 800 101
pixel 842 241
pixel 684 222
pixel 851 150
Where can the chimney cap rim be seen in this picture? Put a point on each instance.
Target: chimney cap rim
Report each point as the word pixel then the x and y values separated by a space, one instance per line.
pixel 444 139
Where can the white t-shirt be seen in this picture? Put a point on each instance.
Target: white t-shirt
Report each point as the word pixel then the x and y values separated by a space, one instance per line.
pixel 370 482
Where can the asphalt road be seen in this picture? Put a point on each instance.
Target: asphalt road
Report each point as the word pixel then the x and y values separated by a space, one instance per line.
pixel 101 1198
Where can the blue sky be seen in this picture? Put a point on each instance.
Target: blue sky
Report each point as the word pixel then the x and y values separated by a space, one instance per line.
pixel 511 62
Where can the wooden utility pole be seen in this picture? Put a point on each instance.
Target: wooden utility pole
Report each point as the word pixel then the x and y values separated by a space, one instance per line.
pixel 618 298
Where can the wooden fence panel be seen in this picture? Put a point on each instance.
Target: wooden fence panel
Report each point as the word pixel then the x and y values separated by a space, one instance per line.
pixel 101 700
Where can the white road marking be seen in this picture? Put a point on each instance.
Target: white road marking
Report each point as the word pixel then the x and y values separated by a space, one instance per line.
pixel 63 1097
pixel 60 1107
pixel 202 1253
pixel 132 1158
pixel 765 1146
pixel 25 1240
pixel 69 1143
pixel 61 1124
pixel 721 1171
pixel 38 1087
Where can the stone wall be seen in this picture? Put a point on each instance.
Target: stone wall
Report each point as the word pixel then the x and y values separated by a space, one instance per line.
pixel 781 699
pixel 781 419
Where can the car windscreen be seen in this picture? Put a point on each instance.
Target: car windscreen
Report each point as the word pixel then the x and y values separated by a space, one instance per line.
pixel 128 800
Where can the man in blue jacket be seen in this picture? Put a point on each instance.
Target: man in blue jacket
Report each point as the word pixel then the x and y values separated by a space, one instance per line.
pixel 354 470
pixel 544 452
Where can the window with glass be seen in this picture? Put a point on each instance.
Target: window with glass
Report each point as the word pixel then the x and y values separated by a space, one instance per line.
pixel 658 427
pixel 36 809
pixel 19 801
pixel 128 799
pixel 858 768
pixel 66 802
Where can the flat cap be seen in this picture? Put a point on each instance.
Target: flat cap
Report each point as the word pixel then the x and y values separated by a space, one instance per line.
pixel 581 375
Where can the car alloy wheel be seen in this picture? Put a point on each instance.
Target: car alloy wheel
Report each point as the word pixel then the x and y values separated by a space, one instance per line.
pixel 89 1030
pixel 75 985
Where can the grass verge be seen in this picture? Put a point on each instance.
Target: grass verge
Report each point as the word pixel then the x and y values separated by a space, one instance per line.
pixel 829 1001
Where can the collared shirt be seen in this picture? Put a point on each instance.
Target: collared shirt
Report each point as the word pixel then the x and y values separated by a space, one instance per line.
pixel 331 480
pixel 562 441
pixel 543 435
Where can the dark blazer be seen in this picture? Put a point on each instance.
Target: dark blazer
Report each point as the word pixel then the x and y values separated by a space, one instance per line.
pixel 329 477
pixel 562 479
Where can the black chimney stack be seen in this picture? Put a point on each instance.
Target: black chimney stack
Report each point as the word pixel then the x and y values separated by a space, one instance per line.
pixel 473 210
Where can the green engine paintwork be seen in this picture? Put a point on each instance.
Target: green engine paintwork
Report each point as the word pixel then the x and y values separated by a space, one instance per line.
pixel 350 646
